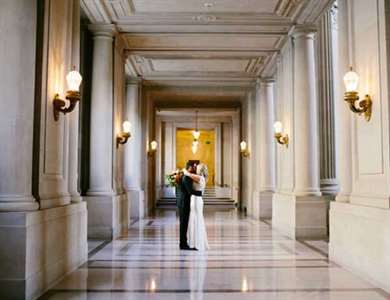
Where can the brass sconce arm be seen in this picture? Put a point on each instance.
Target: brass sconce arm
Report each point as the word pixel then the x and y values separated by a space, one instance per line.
pixel 122 138
pixel 282 139
pixel 59 105
pixel 365 105
pixel 245 153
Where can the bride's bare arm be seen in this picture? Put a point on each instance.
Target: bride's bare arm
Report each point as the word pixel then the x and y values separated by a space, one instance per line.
pixel 195 178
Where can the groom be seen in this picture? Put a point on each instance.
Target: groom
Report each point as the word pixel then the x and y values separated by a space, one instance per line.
pixel 185 190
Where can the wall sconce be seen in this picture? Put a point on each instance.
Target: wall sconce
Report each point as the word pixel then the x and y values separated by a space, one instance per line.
pixel 124 136
pixel 72 95
pixel 244 149
pixel 279 136
pixel 351 81
pixel 153 148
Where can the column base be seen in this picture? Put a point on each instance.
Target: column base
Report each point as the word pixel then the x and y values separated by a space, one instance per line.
pixel 38 248
pixel 136 201
pixel 108 216
pixel 329 186
pixel 359 241
pixel 300 217
pixel 18 203
pixel 262 204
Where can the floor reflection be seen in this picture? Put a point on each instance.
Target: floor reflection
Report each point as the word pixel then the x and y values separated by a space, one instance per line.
pixel 247 260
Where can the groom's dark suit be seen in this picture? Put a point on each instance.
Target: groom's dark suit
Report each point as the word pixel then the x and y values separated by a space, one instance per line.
pixel 185 190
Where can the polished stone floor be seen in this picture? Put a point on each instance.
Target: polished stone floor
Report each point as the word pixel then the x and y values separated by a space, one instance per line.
pixel 247 260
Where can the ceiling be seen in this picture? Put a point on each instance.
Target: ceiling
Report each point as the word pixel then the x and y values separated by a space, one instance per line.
pixel 225 41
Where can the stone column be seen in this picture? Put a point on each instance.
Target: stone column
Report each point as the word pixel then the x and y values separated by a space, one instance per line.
pixel 17 83
pixel 266 146
pixel 303 213
pixel 328 181
pixel 133 152
pixel 305 115
pixel 343 114
pixel 101 193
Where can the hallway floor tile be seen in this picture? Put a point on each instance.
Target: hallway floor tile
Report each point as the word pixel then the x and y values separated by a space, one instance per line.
pixel 247 260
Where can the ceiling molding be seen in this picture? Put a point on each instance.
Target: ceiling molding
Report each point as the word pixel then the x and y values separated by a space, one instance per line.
pixel 176 42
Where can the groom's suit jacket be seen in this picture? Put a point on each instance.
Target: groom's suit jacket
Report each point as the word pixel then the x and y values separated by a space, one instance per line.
pixel 184 192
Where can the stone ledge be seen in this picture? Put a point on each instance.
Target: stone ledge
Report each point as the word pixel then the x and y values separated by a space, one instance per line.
pixel 300 217
pixel 38 248
pixel 354 229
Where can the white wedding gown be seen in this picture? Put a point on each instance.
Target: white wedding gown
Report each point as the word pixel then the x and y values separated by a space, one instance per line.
pixel 197 235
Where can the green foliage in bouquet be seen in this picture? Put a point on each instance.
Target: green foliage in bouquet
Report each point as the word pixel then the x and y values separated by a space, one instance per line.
pixel 170 179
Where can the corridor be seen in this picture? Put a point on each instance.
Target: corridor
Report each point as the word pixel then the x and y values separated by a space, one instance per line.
pixel 247 260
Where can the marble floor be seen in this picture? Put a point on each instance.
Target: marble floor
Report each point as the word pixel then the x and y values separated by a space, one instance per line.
pixel 247 260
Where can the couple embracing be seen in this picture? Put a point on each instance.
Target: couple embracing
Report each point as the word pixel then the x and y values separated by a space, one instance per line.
pixel 191 184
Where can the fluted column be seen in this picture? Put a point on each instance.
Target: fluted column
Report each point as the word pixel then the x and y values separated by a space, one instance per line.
pixel 17 80
pixel 343 114
pixel 73 173
pixel 328 181
pixel 305 115
pixel 133 159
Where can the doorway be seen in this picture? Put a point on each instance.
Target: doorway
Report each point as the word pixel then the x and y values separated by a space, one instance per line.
pixel 205 151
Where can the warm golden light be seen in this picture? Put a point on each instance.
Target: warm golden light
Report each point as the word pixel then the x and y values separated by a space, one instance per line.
pixel 194 147
pixel 126 126
pixel 152 285
pixel 243 146
pixel 124 136
pixel 351 96
pixel 279 136
pixel 244 149
pixel 153 145
pixel 244 285
pixel 74 80
pixel 278 127
pixel 351 81
pixel 196 134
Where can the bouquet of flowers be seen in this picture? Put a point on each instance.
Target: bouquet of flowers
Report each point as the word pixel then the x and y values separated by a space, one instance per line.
pixel 172 179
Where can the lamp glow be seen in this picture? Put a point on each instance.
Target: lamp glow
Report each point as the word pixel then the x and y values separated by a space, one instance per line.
pixel 278 127
pixel 153 145
pixel 243 146
pixel 74 80
pixel 279 136
pixel 351 81
pixel 351 96
pixel 126 126
pixel 194 147
pixel 196 134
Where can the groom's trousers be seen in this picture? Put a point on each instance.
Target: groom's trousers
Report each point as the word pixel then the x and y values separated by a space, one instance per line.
pixel 184 212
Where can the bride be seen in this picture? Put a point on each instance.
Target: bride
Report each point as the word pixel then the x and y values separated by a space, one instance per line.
pixel 197 235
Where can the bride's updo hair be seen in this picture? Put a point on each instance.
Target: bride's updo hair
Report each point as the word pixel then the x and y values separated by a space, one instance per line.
pixel 202 170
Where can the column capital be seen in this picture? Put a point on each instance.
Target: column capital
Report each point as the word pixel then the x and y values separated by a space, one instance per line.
pixel 133 81
pixel 304 30
pixel 265 81
pixel 103 30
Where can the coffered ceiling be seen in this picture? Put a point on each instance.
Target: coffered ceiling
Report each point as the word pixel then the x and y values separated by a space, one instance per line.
pixel 202 40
